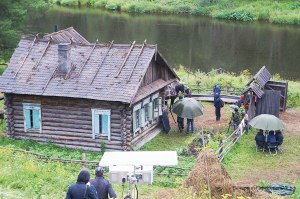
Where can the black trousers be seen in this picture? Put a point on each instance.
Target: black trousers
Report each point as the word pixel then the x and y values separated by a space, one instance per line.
pixel 218 113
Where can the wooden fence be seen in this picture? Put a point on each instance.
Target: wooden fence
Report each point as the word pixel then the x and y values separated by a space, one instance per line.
pixel 227 144
pixel 225 90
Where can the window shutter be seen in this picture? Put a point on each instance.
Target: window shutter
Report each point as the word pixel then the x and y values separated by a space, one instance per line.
pixel 159 106
pixel 96 126
pixel 105 121
pixel 134 126
pixel 150 111
pixel 36 118
pixel 27 123
pixel 142 117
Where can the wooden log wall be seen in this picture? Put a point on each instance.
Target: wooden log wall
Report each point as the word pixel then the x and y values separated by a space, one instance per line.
pixel 8 107
pixel 68 122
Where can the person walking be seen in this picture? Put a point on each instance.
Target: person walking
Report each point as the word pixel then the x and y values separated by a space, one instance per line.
pixel 81 189
pixel 190 125
pixel 103 187
pixel 235 118
pixel 218 103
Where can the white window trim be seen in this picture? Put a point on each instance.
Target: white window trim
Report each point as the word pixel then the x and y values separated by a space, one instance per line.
pixel 100 112
pixel 136 107
pixel 32 106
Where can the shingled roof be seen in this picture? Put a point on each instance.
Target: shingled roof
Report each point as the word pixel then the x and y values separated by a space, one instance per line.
pixel 258 82
pixel 66 35
pixel 109 72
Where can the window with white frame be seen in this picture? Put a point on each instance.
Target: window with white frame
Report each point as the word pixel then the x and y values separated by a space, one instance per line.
pixel 136 117
pixel 32 117
pixel 145 111
pixel 101 122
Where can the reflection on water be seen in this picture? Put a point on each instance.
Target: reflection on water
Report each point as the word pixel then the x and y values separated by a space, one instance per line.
pixel 194 42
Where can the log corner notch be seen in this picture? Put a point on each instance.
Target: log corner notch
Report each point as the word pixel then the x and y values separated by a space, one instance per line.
pixel 9 111
pixel 126 128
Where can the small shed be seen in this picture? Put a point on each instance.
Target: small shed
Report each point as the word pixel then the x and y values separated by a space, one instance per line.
pixel 65 90
pixel 265 96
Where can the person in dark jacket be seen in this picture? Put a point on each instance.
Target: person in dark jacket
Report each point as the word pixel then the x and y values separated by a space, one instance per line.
pixel 260 139
pixel 218 103
pixel 271 138
pixel 103 187
pixel 81 190
pixel 279 137
pixel 235 118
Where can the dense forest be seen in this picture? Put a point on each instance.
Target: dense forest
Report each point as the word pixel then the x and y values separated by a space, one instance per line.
pixel 12 16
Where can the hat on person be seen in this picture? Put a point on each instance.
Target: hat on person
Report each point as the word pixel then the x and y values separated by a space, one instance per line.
pixel 99 171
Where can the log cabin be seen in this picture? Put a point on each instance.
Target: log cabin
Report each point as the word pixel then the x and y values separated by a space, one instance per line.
pixel 62 89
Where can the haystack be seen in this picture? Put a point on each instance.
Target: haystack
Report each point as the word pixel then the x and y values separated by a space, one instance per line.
pixel 209 170
pixel 214 172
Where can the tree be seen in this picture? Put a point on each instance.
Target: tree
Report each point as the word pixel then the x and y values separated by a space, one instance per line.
pixel 13 13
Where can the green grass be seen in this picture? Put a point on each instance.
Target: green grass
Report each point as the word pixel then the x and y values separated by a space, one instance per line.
pixel 243 161
pixel 283 12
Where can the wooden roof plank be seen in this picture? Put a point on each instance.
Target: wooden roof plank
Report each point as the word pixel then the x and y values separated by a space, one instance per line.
pixel 137 59
pixel 88 57
pixel 44 51
pixel 123 64
pixel 100 64
pixel 31 46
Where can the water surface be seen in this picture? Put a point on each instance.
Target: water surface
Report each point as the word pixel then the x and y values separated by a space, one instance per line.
pixel 194 42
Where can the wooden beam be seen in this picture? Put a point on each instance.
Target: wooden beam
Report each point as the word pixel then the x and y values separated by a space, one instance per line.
pixel 123 64
pixel 102 61
pixel 45 49
pixel 136 61
pixel 31 46
pixel 49 80
pixel 84 63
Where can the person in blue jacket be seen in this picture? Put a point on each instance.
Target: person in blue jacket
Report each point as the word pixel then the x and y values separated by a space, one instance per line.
pixel 81 189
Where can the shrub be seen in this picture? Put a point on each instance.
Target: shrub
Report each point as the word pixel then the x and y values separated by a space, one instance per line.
pixel 238 15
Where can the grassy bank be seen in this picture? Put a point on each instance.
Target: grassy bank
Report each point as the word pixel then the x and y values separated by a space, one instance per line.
pixel 35 178
pixel 243 163
pixel 282 12
pixel 236 80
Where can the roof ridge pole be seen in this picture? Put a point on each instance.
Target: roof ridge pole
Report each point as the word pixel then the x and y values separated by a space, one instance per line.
pixel 99 65
pixel 31 46
pixel 123 64
pixel 137 59
pixel 45 49
pixel 84 63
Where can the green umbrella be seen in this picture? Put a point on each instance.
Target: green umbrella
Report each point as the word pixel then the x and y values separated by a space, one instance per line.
pixel 187 108
pixel 267 122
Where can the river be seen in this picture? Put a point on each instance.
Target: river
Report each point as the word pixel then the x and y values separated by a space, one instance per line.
pixel 198 43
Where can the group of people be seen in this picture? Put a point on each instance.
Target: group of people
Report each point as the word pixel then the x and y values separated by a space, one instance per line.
pixel 272 139
pixel 180 91
pixel 97 188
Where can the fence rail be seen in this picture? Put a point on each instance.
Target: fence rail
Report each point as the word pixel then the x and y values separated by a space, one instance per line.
pixel 231 140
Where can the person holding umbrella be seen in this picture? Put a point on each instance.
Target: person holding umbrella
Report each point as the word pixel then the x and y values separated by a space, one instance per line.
pixel 187 108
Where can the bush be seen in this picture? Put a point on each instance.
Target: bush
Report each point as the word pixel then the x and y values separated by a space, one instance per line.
pixel 238 15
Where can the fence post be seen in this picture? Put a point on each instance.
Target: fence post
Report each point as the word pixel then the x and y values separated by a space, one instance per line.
pixel 83 160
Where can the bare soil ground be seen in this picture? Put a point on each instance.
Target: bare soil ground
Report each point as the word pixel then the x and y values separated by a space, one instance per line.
pixel 291 119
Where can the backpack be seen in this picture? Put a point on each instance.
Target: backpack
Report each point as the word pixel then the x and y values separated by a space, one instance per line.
pixel 222 102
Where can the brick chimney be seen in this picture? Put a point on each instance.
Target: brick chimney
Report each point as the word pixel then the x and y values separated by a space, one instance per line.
pixel 64 58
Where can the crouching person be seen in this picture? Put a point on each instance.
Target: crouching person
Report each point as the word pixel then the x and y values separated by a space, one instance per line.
pixel 82 189
pixel 103 187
